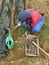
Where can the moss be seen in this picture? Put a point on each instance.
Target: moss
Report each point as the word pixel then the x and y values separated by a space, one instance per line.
pixel 20 31
pixel 1 20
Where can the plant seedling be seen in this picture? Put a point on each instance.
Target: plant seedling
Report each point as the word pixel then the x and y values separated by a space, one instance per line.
pixel 20 31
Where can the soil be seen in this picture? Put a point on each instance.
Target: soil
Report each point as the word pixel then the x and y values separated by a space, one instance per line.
pixel 17 56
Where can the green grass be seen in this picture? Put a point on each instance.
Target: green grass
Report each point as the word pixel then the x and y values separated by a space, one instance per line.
pixel 20 31
pixel 45 32
pixel 1 20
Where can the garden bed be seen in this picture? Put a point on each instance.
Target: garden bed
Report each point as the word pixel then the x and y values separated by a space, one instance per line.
pixel 4 24
pixel 20 6
pixel 16 56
